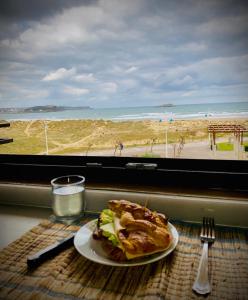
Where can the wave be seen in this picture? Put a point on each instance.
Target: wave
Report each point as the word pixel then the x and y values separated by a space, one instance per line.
pixel 139 116
pixel 180 116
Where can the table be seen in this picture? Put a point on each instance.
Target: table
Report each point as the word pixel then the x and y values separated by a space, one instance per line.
pixel 71 276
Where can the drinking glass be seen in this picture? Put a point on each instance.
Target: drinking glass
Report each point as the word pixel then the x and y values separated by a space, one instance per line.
pixel 68 201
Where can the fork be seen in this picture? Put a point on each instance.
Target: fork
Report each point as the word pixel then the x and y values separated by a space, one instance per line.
pixel 207 235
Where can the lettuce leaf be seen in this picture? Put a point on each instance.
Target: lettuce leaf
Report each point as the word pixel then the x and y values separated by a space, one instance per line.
pixel 107 216
pixel 108 228
pixel 111 237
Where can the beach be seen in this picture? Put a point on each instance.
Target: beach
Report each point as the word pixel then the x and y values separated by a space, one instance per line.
pixel 139 138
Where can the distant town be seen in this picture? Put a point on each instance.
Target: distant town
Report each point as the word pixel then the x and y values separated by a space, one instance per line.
pixel 40 109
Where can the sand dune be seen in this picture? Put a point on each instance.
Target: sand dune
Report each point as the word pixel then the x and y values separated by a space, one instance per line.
pixel 185 138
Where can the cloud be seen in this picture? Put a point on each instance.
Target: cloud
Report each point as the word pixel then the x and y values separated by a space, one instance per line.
pixel 84 78
pixel 109 87
pixel 25 93
pixel 131 70
pixel 223 93
pixel 70 27
pixel 128 83
pixel 192 47
pixel 35 10
pixel 61 73
pixel 34 94
pixel 217 70
pixel 75 91
pixel 126 52
pixel 84 24
pixel 189 93
pixel 221 70
pixel 225 26
pixel 185 80
pixel 70 74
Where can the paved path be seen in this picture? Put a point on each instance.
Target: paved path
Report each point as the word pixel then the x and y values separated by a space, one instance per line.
pixel 199 150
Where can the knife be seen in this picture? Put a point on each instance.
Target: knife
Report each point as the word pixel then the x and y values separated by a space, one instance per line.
pixel 50 251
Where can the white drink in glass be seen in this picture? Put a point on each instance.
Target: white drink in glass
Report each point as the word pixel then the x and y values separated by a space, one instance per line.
pixel 68 201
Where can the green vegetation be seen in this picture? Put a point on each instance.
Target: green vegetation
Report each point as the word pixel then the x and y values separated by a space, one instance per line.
pixel 225 147
pixel 150 155
pixel 85 136
pixel 229 147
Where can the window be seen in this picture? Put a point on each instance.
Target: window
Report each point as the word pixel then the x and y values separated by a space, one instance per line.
pixel 100 84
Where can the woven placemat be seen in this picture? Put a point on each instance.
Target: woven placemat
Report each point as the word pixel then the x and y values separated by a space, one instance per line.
pixel 71 276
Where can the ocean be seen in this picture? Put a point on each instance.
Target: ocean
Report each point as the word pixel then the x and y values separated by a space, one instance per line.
pixel 177 112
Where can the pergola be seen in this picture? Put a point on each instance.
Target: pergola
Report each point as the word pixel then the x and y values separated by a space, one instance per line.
pixel 238 131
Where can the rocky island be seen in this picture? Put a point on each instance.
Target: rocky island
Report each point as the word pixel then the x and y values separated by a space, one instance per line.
pixel 40 109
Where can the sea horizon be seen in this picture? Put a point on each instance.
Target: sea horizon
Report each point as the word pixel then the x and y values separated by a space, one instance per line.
pixel 158 112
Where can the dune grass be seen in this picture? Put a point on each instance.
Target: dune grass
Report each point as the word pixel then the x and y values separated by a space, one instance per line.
pixel 83 136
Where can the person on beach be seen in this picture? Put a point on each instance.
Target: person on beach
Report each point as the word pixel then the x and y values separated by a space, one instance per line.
pixel 119 145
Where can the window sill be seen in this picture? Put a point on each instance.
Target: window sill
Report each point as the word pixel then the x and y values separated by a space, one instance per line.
pixel 231 210
pixel 18 220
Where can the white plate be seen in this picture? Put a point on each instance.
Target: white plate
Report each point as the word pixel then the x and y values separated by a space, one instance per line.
pixel 91 249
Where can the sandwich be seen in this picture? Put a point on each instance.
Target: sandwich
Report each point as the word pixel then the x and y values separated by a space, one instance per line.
pixel 128 231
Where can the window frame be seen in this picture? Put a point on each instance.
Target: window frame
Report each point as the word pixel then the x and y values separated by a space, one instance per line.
pixel 227 175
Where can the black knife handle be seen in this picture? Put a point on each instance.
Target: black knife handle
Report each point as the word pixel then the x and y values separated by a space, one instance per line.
pixel 50 251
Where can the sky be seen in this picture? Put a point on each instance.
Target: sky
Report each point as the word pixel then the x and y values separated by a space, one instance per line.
pixel 112 53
